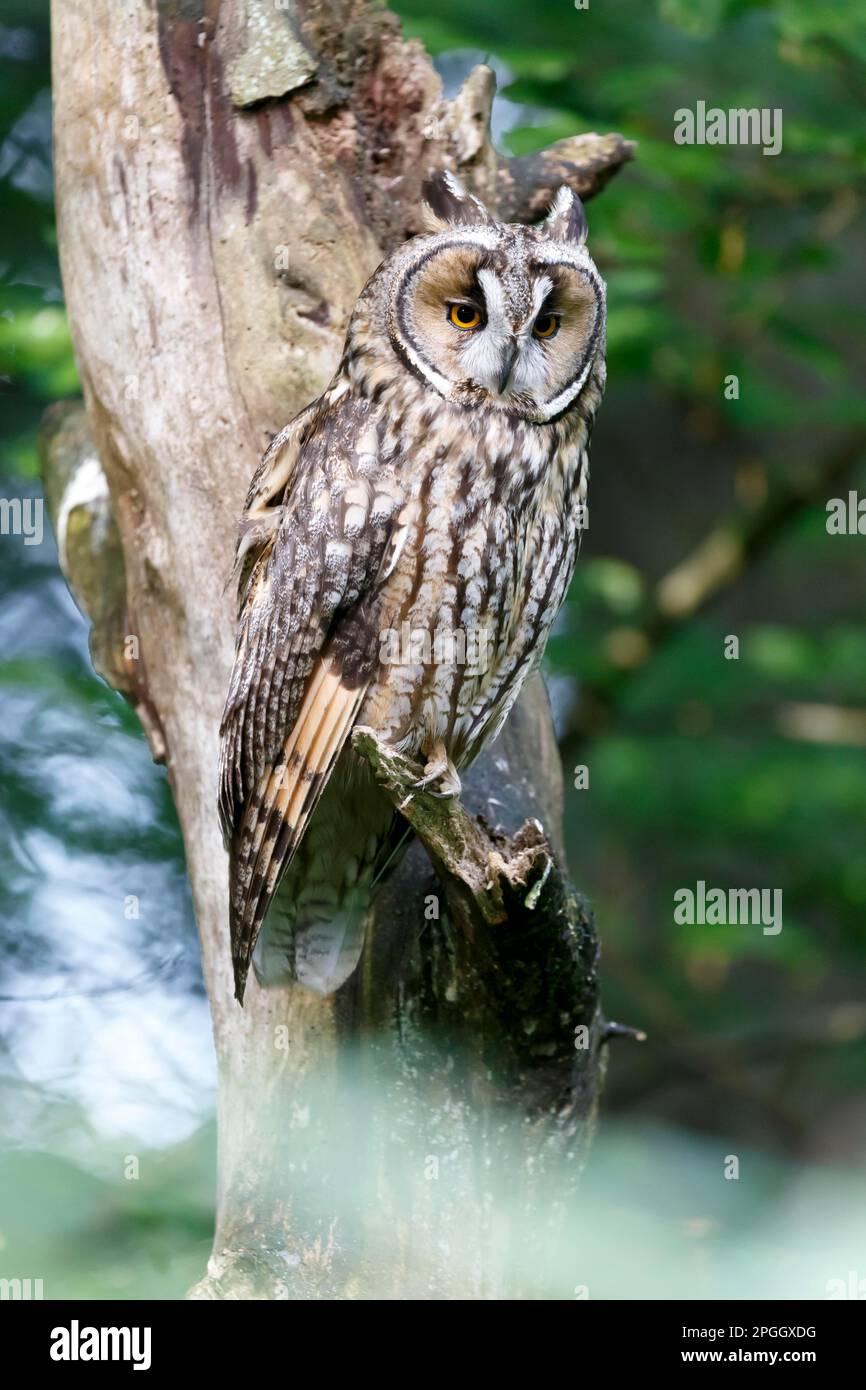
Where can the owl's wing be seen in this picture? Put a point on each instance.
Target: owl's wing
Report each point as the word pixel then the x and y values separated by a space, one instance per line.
pixel 306 649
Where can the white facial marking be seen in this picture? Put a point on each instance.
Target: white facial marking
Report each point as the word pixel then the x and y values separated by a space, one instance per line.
pixel 485 350
pixel 540 291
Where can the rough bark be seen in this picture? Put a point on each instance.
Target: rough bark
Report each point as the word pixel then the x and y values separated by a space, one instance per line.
pixel 228 175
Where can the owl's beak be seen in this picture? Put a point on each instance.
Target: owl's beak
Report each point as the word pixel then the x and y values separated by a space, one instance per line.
pixel 507 365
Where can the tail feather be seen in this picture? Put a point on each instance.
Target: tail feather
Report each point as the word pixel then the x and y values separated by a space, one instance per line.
pixel 279 809
pixel 315 926
pixel 317 944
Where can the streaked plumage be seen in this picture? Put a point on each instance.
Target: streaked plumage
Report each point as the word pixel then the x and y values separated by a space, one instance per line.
pixel 434 488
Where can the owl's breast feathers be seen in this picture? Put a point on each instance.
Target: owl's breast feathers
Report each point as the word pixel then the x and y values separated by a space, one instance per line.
pixel 372 517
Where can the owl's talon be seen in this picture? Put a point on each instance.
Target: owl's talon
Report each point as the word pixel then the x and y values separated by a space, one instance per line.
pixel 448 794
pixel 441 770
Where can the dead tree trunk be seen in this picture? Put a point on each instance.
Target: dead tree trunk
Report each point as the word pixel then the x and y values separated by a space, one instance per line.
pixel 229 172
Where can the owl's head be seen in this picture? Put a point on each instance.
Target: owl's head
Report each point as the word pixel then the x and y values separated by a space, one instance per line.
pixel 496 313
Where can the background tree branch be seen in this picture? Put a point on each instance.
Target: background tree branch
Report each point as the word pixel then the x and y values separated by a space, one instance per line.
pixel 721 559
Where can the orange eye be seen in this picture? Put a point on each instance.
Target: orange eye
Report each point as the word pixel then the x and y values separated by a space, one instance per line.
pixel 464 316
pixel 546 326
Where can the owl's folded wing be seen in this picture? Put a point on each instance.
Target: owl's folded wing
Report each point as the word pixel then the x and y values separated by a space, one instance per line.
pixel 306 649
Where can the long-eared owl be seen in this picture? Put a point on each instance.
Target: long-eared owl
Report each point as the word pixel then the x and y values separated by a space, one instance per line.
pixel 406 544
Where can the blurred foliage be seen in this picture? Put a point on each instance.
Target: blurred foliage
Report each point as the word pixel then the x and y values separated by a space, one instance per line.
pixel 104 1039
pixel 36 363
pixel 743 773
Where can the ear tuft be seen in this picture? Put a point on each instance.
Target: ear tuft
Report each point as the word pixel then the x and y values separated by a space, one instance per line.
pixel 447 204
pixel 566 220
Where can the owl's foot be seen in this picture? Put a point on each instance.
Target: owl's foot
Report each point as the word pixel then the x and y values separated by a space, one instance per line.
pixel 441 778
